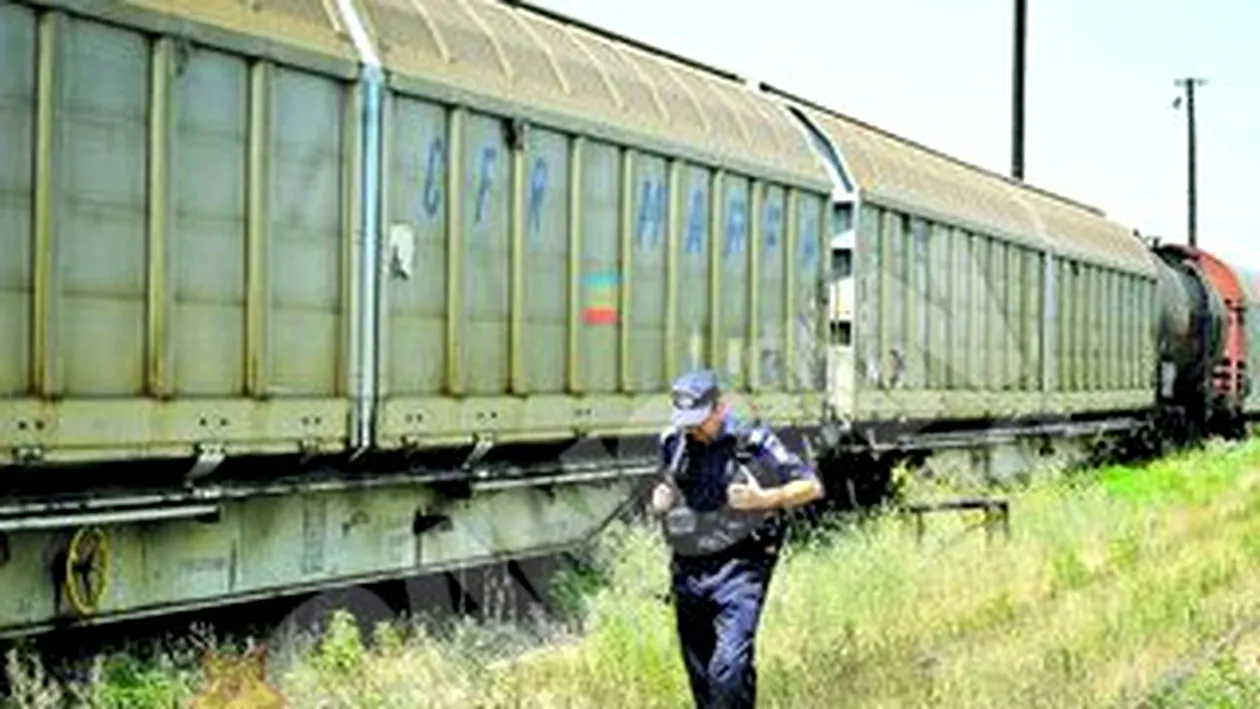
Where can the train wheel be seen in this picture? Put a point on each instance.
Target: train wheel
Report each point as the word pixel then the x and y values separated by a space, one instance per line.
pixel 87 569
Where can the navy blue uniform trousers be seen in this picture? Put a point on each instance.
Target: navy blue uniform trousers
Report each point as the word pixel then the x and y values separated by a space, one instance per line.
pixel 717 606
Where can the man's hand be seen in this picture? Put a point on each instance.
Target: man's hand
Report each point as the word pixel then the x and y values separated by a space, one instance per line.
pixel 750 496
pixel 662 498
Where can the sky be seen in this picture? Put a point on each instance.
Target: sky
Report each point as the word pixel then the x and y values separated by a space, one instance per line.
pixel 1100 126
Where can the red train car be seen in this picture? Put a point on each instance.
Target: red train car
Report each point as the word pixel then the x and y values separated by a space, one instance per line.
pixel 1229 374
pixel 1250 278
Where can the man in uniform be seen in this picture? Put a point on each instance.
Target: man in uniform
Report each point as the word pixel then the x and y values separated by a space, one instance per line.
pixel 726 483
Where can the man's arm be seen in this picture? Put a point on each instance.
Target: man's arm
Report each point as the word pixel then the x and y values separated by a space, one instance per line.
pixel 795 494
pixel 799 482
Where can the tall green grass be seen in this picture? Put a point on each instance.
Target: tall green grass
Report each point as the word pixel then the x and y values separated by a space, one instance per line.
pixel 1106 582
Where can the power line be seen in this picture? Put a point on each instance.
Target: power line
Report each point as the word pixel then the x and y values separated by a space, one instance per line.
pixel 1191 192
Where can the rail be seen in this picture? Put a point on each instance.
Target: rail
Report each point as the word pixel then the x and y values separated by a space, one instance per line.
pixel 1176 676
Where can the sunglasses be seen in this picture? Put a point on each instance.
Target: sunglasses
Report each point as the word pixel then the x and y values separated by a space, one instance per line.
pixel 689 402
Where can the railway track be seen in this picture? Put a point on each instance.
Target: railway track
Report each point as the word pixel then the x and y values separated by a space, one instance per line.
pixel 1245 631
pixel 514 594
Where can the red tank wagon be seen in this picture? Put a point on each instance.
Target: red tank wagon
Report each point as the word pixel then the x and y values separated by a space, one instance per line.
pixel 1229 373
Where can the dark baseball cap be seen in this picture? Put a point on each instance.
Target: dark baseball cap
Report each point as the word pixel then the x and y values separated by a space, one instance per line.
pixel 693 396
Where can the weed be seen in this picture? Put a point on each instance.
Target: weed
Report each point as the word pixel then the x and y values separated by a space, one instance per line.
pixel 1107 581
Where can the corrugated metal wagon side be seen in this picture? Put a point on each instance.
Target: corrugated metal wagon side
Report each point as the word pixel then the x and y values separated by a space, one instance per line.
pixel 178 198
pixel 573 219
pixel 978 297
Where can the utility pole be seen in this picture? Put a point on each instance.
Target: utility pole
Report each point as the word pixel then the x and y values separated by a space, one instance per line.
pixel 1017 90
pixel 1191 210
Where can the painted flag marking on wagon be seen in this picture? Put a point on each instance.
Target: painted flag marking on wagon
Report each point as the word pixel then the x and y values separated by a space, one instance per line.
pixel 601 299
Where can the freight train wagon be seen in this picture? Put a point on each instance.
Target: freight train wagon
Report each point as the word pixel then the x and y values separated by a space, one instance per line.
pixel 311 294
pixel 316 293
pixel 1232 397
pixel 1192 326
pixel 972 309
pixel 1220 371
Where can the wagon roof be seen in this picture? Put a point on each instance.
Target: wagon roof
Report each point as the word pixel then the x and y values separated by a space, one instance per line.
pixel 898 172
pixel 516 60
pixel 569 70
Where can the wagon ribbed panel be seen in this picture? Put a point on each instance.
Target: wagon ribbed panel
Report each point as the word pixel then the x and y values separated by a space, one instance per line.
pixel 178 193
pixel 581 219
pixel 1026 317
pixel 17 121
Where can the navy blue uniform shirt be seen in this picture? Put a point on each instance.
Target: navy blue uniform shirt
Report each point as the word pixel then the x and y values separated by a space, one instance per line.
pixel 703 486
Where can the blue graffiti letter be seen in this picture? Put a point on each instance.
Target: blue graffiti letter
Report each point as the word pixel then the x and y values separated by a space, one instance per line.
pixel 488 155
pixel 694 243
pixel 651 207
pixel 773 218
pixel 432 178
pixel 736 226
pixel 537 190
pixel 809 242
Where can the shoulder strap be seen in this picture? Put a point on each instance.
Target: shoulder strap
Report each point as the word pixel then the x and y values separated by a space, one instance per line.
pixel 749 436
pixel 672 436
pixel 750 441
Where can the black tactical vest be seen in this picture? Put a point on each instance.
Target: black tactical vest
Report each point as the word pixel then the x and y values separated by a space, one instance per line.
pixel 692 533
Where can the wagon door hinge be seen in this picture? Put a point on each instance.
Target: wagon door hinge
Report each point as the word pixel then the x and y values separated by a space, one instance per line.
pixel 209 457
pixel 484 442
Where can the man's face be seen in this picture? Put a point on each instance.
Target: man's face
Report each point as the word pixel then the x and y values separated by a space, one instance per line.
pixel 707 430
